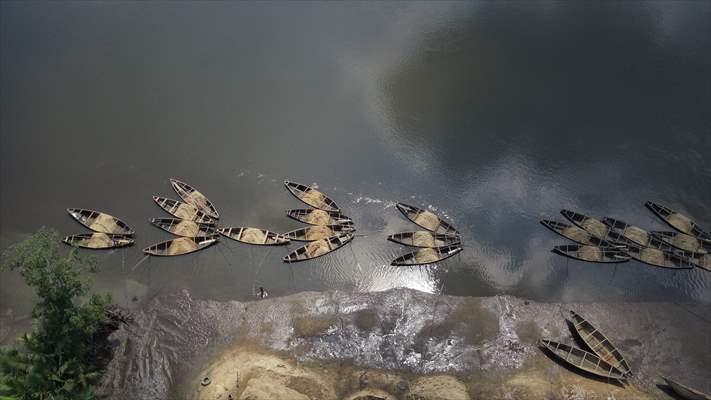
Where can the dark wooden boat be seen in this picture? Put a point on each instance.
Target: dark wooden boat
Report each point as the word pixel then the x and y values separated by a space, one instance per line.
pixel 191 196
pixel 678 221
pixel 685 391
pixel 426 219
pixel 317 248
pixel 311 196
pixel 701 260
pixel 256 236
pixel 184 227
pixel 182 210
pixel 592 225
pixel 426 256
pixel 100 222
pixel 318 217
pixel 592 253
pixel 574 233
pixel 599 343
pixel 312 233
pixel 658 258
pixel 180 246
pixel 98 240
pixel 581 359
pixel 684 242
pixel 632 233
pixel 424 239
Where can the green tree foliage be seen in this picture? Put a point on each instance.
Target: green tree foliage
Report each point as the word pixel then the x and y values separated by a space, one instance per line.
pixel 52 362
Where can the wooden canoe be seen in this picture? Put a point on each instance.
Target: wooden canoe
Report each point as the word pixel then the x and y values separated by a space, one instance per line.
pixel 574 233
pixel 311 196
pixel 317 248
pixel 599 343
pixel 98 240
pixel 312 233
pixel 701 260
pixel 426 256
pixel 685 391
pixel 184 227
pixel 100 222
pixel 180 246
pixel 658 258
pixel 678 221
pixel 592 253
pixel 581 359
pixel 318 217
pixel 634 234
pixel 425 239
pixel 592 225
pixel 182 210
pixel 195 198
pixel 426 219
pixel 261 237
pixel 684 242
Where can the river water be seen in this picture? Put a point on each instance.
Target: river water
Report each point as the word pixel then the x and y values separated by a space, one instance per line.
pixel 494 114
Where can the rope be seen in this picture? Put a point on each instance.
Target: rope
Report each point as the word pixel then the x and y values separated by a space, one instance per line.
pixel 259 267
pixel 147 256
pixel 225 257
pixel 708 321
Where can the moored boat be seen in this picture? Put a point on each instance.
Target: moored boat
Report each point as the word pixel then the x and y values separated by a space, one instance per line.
pixel 684 242
pixel 317 248
pixel 426 256
pixel 592 225
pixel 599 343
pixel 678 221
pixel 658 258
pixel 685 391
pixel 318 217
pixel 632 233
pixel 581 359
pixel 193 197
pixel 319 232
pixel 424 239
pixel 184 227
pixel 100 222
pixel 182 210
pixel 256 236
pixel 574 233
pixel 592 253
pixel 426 219
pixel 98 240
pixel 180 246
pixel 311 196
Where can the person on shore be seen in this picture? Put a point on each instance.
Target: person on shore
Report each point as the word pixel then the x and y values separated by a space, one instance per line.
pixel 262 293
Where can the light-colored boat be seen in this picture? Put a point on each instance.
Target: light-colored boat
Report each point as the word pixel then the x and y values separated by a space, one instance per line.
pixel 312 233
pixel 100 222
pixel 191 196
pixel 426 256
pixel 98 240
pixel 318 217
pixel 424 239
pixel 658 258
pixel 592 225
pixel 317 248
pixel 180 246
pixel 256 236
pixel 632 233
pixel 581 359
pixel 182 210
pixel 685 391
pixel 426 219
pixel 574 233
pixel 599 343
pixel 184 227
pixel 311 196
pixel 678 221
pixel 684 242
pixel 592 253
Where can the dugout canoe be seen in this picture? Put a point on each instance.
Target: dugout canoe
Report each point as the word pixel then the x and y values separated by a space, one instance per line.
pixel 180 246
pixel 581 359
pixel 193 197
pixel 685 391
pixel 426 219
pixel 592 253
pixel 426 256
pixel 261 237
pixel 599 343
pixel 574 233
pixel 318 217
pixel 182 210
pixel 312 233
pixel 311 196
pixel 98 240
pixel 317 248
pixel 424 239
pixel 100 222
pixel 658 258
pixel 592 225
pixel 678 221
pixel 184 227
pixel 684 242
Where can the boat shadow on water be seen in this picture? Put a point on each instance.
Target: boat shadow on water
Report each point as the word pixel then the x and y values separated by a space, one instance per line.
pixel 669 391
pixel 575 370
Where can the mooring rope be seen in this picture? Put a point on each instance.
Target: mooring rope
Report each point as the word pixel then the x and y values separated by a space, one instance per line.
pixel 140 261
pixel 258 269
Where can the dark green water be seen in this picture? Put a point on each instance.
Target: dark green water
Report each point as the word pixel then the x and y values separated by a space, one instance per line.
pixel 495 114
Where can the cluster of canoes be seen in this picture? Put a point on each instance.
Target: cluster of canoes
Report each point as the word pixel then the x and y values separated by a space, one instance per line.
pixel 438 242
pixel 603 359
pixel 612 241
